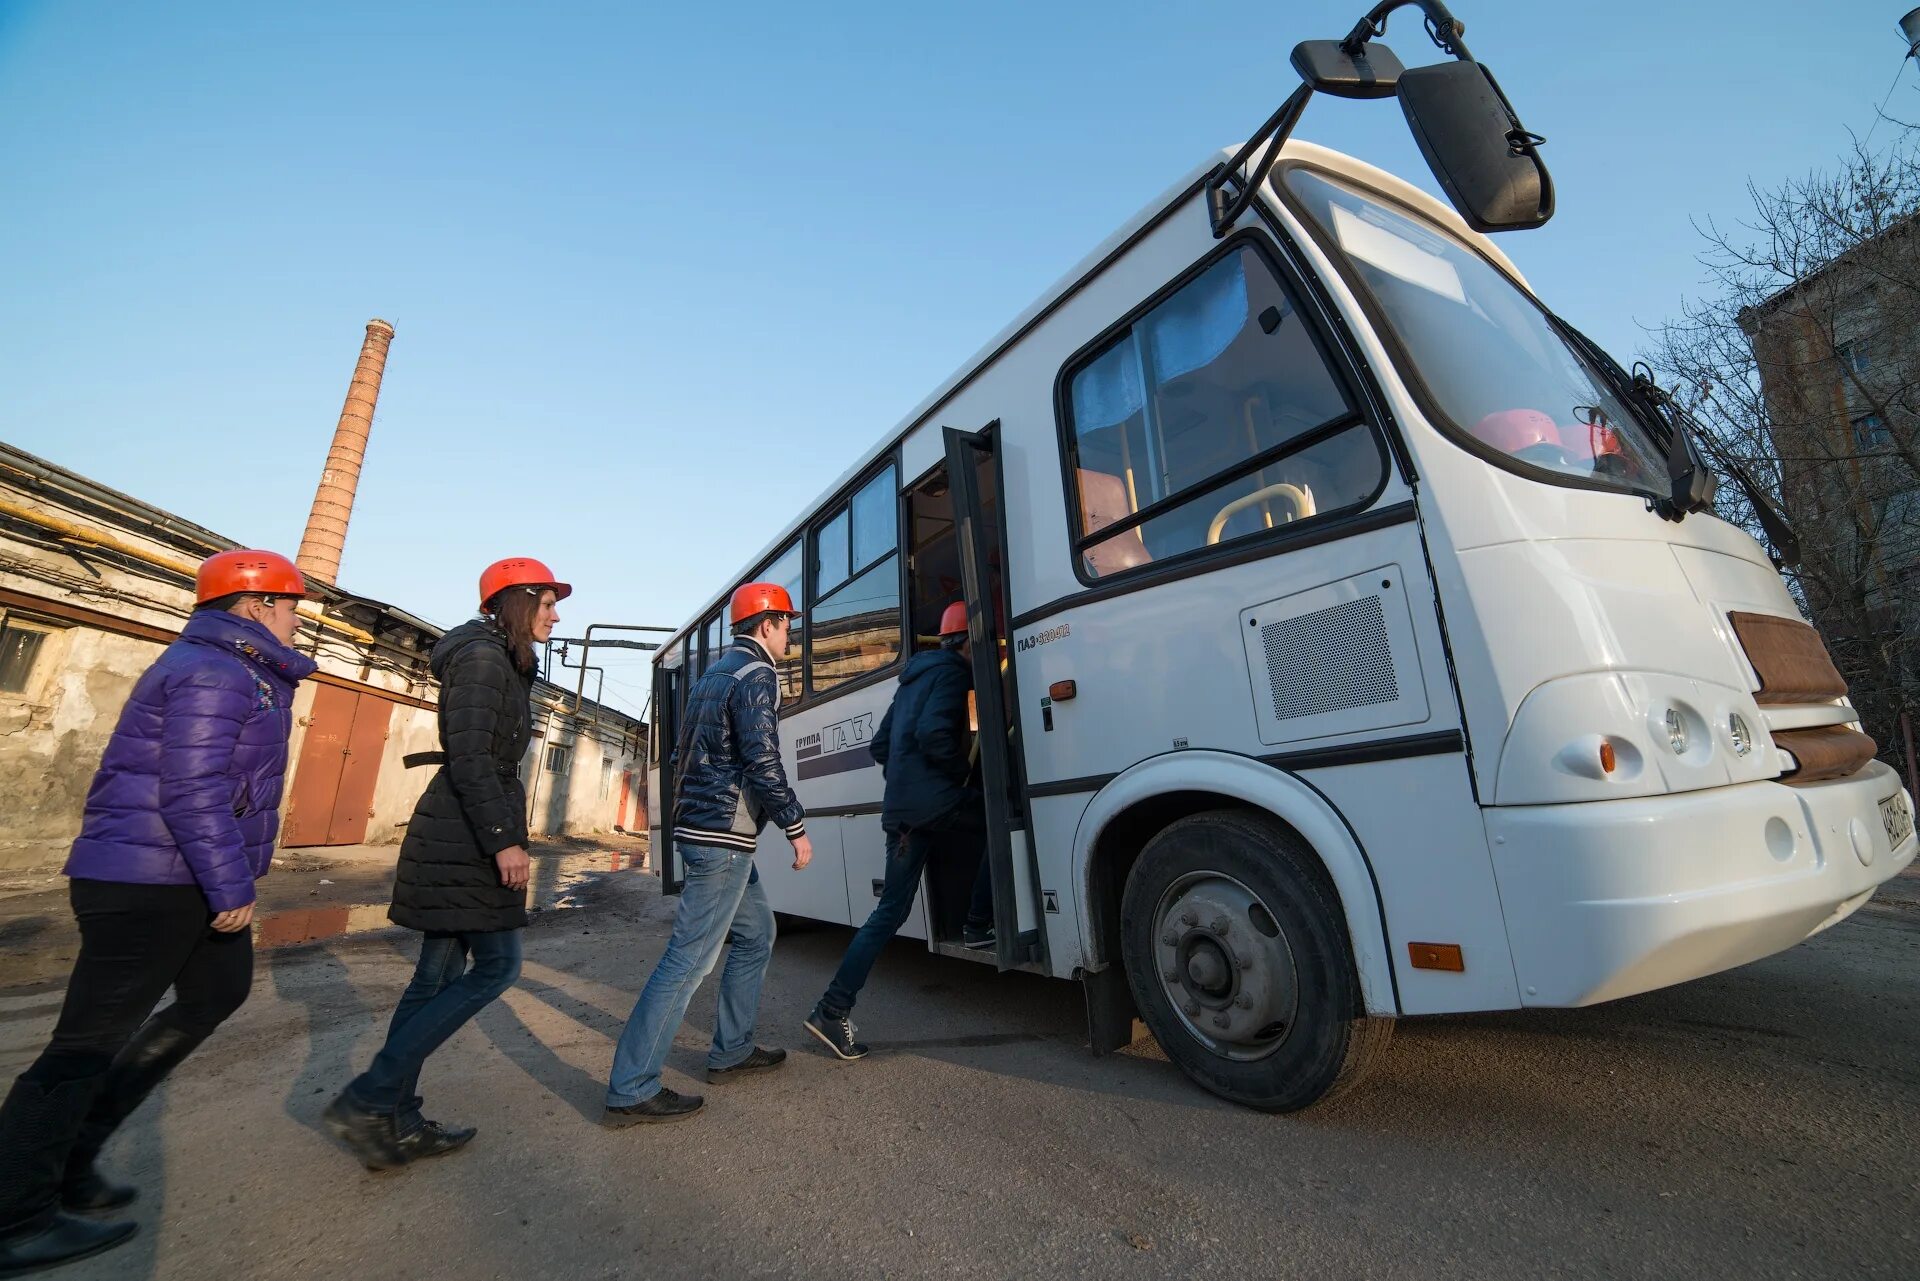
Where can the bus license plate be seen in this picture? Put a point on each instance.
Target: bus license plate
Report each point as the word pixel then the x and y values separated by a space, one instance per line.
pixel 1897 817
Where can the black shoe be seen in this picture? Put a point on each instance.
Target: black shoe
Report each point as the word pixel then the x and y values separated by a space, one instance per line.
pixel 368 1135
pixel 56 1239
pixel 836 1033
pixel 430 1138
pixel 758 1061
pixel 978 940
pixel 664 1106
pixel 38 1127
pixel 85 1192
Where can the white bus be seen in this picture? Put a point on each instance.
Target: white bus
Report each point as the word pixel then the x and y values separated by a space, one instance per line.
pixel 1351 637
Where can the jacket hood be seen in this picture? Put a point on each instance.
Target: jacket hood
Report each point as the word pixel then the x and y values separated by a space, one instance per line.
pixel 475 631
pixel 923 665
pixel 251 641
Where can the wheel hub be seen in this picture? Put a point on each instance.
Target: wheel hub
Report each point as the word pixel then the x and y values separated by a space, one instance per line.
pixel 1225 965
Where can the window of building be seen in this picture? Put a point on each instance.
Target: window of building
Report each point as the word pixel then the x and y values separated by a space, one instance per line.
pixel 1856 356
pixel 559 759
pixel 21 647
pixel 1214 417
pixel 606 776
pixel 853 622
pixel 1869 432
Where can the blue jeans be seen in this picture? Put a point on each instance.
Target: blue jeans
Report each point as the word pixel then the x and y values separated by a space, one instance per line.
pixel 722 897
pixel 906 859
pixel 444 994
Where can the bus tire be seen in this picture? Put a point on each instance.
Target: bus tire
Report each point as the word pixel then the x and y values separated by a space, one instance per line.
pixel 1238 956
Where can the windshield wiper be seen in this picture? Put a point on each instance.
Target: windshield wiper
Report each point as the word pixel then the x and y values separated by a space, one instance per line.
pixel 1692 481
pixel 1773 522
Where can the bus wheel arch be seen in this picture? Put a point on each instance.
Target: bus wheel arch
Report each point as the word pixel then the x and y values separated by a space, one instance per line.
pixel 1135 807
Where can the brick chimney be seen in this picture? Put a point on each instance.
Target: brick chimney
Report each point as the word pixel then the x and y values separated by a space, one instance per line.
pixel 326 535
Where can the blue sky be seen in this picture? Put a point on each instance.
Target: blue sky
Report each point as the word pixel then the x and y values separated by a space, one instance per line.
pixel 659 272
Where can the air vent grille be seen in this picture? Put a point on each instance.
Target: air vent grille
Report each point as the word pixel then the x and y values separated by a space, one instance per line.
pixel 1330 660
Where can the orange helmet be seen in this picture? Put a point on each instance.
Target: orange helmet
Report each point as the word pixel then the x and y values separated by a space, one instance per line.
pixel 954 620
pixel 760 598
pixel 519 571
pixel 268 573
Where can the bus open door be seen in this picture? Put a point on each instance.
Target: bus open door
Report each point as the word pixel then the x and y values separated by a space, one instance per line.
pixel 973 465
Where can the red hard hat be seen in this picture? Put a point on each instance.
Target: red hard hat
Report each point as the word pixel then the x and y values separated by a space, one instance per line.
pixel 954 620
pixel 268 573
pixel 760 598
pixel 1512 430
pixel 519 571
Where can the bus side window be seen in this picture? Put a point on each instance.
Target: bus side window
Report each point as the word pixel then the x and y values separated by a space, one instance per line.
pixel 1214 416
pixel 786 570
pixel 853 622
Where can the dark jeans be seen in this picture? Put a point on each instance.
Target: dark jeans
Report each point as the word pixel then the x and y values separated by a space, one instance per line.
pixel 907 854
pixel 444 994
pixel 136 941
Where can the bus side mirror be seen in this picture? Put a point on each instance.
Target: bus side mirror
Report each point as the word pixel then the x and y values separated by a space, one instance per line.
pixel 1487 164
pixel 1328 68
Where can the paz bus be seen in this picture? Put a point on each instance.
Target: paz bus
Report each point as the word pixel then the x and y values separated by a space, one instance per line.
pixel 1352 638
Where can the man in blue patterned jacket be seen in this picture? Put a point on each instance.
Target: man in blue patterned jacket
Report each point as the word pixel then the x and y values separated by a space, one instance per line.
pixel 730 784
pixel 179 823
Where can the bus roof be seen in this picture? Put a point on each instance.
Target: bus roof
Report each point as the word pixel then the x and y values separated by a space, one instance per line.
pixel 1335 162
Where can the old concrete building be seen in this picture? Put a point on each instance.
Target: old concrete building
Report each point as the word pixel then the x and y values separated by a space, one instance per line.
pixel 94 583
pixel 1837 358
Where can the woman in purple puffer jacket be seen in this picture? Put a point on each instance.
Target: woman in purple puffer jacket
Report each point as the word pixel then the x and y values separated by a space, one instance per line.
pixel 180 822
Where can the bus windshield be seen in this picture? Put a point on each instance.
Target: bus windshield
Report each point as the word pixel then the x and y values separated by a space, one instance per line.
pixel 1493 363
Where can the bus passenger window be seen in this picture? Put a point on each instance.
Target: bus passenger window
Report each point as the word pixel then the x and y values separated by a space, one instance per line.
pixel 1213 417
pixel 853 621
pixel 785 570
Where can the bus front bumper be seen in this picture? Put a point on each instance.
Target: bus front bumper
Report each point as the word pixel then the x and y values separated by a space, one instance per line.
pixel 1605 899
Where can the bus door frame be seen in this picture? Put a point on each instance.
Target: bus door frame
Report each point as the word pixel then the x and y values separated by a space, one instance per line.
pixel 1002 772
pixel 669 700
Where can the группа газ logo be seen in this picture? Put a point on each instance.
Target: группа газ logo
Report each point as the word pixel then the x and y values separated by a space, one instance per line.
pixel 836 748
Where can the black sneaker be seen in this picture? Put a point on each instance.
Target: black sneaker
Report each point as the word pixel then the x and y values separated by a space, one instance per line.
pixel 664 1106
pixel 758 1061
pixel 430 1138
pixel 978 940
pixel 836 1033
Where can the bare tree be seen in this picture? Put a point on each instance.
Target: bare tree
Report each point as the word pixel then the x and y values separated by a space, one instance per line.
pixel 1801 363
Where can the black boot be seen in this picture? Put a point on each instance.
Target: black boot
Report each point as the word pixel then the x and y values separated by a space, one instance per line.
pixel 370 1135
pixel 37 1129
pixel 155 1050
pixel 430 1138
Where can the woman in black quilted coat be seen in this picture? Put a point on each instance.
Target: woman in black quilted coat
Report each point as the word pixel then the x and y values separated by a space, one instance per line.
pixel 462 879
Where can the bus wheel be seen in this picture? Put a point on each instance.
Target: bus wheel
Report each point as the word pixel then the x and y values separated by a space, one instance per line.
pixel 1239 961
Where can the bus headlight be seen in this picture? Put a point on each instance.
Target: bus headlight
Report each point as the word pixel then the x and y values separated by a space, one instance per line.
pixel 1677 737
pixel 1742 736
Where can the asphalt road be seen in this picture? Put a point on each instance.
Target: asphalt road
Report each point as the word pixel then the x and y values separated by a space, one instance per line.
pixel 1760 1123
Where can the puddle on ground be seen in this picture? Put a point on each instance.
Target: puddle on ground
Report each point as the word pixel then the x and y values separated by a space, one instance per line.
pixel 560 882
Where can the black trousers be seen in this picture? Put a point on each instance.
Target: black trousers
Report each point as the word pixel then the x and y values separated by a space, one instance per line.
pixel 136 941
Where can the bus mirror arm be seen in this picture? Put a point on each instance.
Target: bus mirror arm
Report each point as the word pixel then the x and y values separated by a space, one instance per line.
pixel 1443 28
pixel 1346 69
